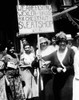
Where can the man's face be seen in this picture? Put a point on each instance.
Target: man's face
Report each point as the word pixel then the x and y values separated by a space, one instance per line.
pixel 69 43
pixel 27 49
pixel 24 41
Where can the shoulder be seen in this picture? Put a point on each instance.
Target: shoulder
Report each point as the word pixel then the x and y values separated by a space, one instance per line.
pixel 76 57
pixel 50 56
pixel 32 53
pixel 71 53
pixel 74 48
pixel 22 55
pixel 77 53
pixel 7 56
pixel 70 50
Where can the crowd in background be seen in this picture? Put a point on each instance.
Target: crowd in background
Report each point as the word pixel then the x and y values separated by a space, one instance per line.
pixel 50 72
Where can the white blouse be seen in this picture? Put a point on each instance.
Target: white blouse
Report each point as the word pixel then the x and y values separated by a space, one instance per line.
pixel 76 64
pixel 27 59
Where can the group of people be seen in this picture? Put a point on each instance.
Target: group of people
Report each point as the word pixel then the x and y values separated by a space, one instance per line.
pixel 49 72
pixel 17 78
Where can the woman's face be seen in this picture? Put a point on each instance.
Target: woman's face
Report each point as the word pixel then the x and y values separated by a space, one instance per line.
pixel 62 45
pixel 43 45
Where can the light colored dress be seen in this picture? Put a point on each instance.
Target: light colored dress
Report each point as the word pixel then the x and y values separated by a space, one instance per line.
pixel 31 87
pixel 45 63
pixel 76 77
pixel 3 95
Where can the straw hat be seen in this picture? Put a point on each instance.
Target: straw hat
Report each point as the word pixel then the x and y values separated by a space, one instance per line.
pixel 69 37
pixel 43 39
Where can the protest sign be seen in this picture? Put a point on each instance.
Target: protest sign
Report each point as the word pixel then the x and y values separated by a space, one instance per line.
pixel 35 19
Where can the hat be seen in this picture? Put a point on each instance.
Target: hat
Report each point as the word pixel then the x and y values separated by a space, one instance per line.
pixel 43 39
pixel 77 35
pixel 69 37
pixel 61 36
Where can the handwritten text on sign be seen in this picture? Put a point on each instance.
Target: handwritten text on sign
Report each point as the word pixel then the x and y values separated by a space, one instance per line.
pixel 35 19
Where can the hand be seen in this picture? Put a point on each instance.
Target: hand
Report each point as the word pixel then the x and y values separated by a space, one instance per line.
pixel 38 57
pixel 35 72
pixel 59 69
pixel 64 67
pixel 1 64
pixel 45 64
pixel 64 70
pixel 53 69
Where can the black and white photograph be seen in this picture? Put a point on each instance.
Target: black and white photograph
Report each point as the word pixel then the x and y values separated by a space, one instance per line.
pixel 39 50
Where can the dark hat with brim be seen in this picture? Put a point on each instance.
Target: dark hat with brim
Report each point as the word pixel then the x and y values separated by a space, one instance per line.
pixel 61 37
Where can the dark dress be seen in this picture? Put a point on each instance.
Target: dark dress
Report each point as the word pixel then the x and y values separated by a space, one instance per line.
pixel 62 83
pixel 47 93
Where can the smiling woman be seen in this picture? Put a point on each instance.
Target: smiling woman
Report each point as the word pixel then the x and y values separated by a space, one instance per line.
pixel 62 59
